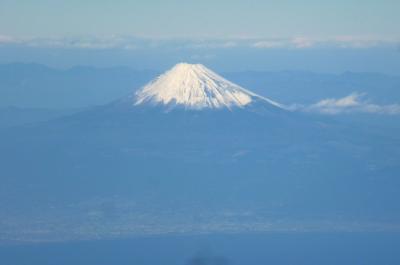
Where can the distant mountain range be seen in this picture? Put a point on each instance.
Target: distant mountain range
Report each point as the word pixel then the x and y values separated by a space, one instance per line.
pixel 14 116
pixel 38 86
pixel 133 166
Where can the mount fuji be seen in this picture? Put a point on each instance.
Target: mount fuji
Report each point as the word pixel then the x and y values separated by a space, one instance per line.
pixel 191 144
pixel 193 86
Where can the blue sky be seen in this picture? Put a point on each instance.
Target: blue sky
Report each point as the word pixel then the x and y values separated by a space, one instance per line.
pixel 327 36
pixel 206 18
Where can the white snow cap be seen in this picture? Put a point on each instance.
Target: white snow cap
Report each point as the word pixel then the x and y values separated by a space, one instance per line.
pixel 194 86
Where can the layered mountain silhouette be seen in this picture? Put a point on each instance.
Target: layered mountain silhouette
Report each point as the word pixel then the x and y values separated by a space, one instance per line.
pixel 192 140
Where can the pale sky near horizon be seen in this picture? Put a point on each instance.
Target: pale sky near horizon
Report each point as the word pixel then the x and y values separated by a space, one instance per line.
pixel 230 35
pixel 197 19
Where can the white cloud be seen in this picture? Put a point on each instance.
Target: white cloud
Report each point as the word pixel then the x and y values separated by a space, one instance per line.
pixel 268 44
pixel 6 39
pixel 229 44
pixel 132 42
pixel 297 42
pixel 210 44
pixel 79 43
pixel 357 42
pixel 303 42
pixel 202 56
pixel 353 103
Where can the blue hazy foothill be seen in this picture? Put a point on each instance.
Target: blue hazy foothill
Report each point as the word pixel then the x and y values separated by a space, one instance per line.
pixel 110 170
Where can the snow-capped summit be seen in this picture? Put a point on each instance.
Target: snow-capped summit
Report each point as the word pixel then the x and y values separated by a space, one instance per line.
pixel 194 86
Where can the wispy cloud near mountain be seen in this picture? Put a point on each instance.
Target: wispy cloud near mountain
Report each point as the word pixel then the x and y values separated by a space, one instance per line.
pixel 353 103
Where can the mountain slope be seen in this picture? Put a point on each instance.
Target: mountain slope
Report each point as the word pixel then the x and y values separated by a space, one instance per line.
pixel 194 86
pixel 165 168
